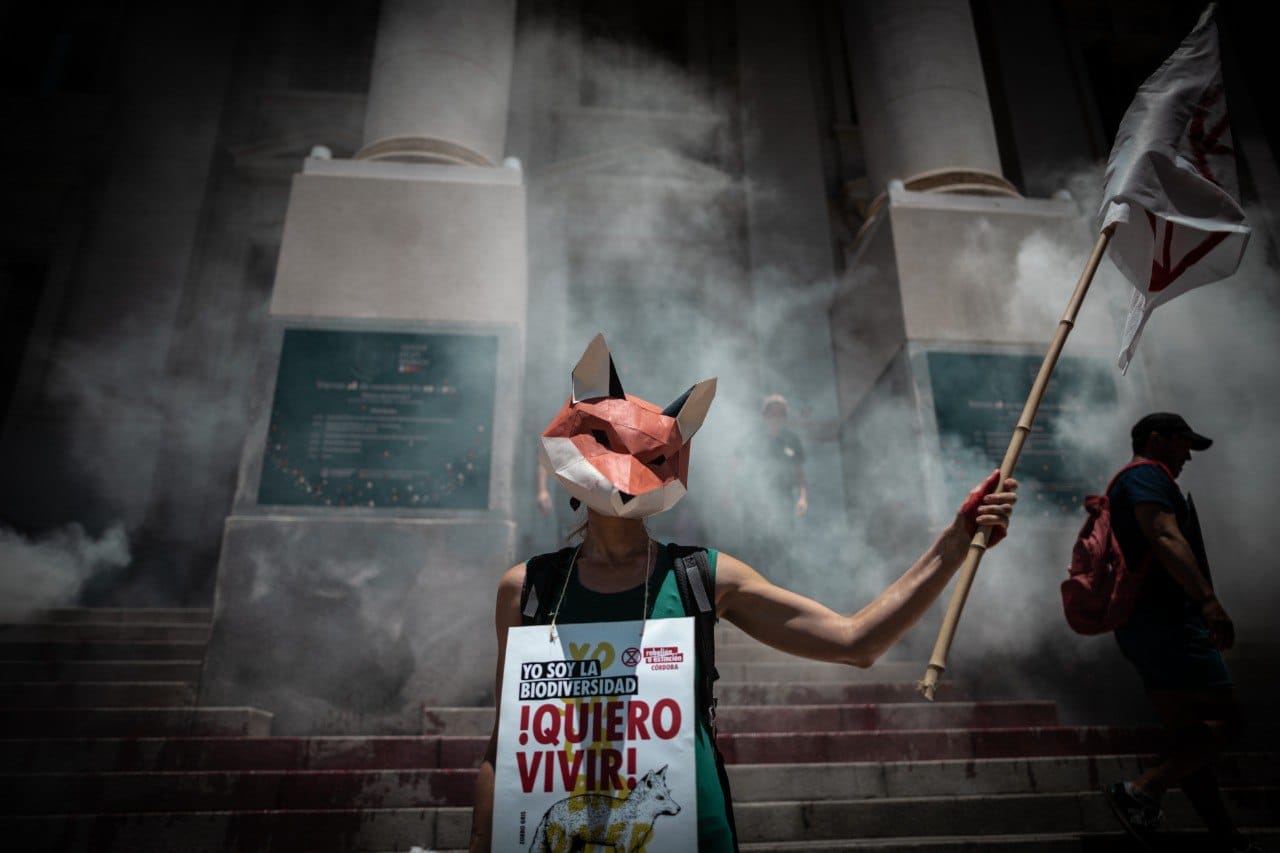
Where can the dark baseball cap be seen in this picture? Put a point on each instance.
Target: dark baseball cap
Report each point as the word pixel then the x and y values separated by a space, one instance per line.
pixel 1167 423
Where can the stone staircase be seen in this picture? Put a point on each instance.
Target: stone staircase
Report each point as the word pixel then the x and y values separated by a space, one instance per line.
pixel 102 749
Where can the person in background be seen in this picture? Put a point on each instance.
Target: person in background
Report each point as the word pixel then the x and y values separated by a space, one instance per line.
pixel 783 457
pixel 769 488
pixel 1176 634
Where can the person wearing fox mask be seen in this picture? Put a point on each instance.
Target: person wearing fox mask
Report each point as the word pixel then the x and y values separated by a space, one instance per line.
pixel 626 459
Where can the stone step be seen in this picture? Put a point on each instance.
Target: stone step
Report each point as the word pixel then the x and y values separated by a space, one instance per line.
pixel 336 831
pixel 76 723
pixel 935 744
pixel 256 790
pixel 874 717
pixel 93 632
pixel 100 670
pixel 819 693
pixel 767 825
pixel 97 694
pixel 50 793
pixel 1061 774
pixel 89 650
pixel 425 752
pixel 1175 841
pixel 1081 812
pixel 808 718
pixel 168 615
pixel 234 753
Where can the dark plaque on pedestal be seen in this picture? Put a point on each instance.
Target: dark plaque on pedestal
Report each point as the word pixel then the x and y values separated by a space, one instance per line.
pixel 381 419
pixel 977 399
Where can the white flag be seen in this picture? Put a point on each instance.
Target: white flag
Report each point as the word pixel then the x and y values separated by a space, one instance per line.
pixel 1170 187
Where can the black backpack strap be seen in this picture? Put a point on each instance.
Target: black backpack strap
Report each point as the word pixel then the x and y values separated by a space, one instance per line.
pixel 542 575
pixel 728 795
pixel 697 585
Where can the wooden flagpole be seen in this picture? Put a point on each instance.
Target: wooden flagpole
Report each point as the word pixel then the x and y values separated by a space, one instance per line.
pixel 978 546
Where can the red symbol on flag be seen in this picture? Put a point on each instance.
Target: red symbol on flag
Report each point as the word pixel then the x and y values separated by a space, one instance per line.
pixel 1208 136
pixel 1203 141
pixel 1163 270
pixel 631 656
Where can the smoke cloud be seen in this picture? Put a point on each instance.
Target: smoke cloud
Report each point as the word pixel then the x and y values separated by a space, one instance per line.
pixel 656 266
pixel 49 570
pixel 1206 355
pixel 139 423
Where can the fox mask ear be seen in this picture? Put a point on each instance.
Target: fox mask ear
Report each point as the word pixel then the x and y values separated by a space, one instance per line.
pixel 690 408
pixel 594 375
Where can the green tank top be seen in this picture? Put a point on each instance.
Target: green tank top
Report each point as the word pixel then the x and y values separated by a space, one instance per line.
pixel 585 605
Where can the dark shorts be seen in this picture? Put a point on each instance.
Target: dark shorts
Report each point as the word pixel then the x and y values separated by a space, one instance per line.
pixel 1173 653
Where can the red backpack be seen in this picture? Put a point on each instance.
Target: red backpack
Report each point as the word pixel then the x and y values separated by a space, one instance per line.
pixel 1100 591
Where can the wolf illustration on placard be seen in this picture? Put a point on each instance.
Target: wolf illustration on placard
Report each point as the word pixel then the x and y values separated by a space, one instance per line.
pixel 623 824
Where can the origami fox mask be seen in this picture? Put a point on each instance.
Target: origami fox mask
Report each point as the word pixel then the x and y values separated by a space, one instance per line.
pixel 618 454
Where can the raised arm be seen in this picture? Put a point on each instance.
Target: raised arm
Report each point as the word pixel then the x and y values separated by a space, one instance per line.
pixel 506 615
pixel 801 626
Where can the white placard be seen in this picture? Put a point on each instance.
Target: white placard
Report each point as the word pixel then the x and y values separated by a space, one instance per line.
pixel 596 738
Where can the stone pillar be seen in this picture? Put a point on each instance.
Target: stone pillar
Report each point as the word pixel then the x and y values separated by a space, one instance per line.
pixel 373 514
pixel 951 292
pixel 441 81
pixel 921 96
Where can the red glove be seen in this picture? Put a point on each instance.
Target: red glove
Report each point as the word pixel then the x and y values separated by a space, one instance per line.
pixel 969 509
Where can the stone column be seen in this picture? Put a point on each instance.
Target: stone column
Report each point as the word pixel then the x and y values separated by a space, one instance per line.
pixel 946 305
pixel 440 82
pixel 921 96
pixel 365 543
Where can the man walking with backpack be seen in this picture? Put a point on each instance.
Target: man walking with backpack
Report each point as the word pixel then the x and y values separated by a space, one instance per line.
pixel 1176 632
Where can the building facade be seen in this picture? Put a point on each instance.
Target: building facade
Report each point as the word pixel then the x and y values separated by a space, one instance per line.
pixel 844 202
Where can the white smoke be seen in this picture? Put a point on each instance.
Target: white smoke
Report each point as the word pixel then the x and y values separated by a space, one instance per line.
pixel 1206 355
pixel 637 231
pixel 49 570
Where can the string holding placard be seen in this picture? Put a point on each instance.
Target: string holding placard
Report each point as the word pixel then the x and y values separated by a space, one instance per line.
pixel 573 561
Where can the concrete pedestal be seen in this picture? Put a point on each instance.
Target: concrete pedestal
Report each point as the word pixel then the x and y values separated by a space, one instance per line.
pixel 404 241
pixel 937 267
pixel 357 575
pixel 940 325
pixel 965 277
pixel 348 625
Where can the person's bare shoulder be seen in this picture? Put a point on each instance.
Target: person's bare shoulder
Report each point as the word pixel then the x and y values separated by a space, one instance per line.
pixel 733 570
pixel 510 587
pixel 513 576
pixel 732 575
